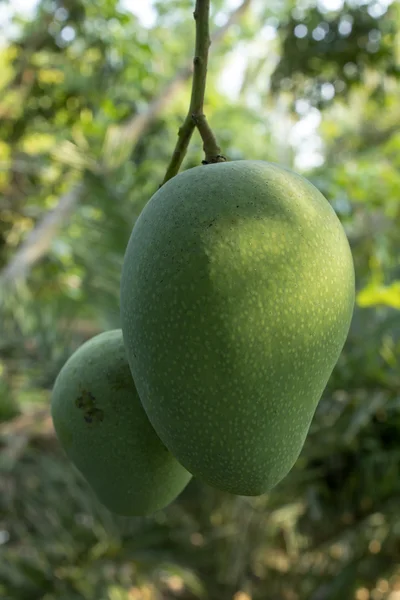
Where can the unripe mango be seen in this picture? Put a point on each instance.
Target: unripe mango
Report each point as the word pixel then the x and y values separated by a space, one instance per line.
pixel 101 424
pixel 237 295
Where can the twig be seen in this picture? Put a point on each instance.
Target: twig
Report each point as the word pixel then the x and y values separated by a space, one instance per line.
pixel 203 43
pixel 136 126
pixel 184 135
pixel 195 116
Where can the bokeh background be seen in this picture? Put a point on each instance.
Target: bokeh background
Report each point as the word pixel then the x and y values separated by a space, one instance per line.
pixel 91 97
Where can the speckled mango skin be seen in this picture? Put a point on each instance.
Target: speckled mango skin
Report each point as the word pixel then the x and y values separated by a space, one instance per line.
pixel 237 294
pixel 101 424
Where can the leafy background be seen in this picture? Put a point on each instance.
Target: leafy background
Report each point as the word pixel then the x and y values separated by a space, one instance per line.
pixel 91 99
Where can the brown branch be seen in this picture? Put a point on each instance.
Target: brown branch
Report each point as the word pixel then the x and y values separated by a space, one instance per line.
pixel 39 239
pixel 38 242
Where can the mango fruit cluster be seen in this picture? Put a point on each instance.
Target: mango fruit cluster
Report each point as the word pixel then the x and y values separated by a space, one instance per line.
pixel 237 294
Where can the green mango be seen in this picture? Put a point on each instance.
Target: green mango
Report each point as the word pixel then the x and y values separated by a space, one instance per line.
pixel 237 295
pixel 101 424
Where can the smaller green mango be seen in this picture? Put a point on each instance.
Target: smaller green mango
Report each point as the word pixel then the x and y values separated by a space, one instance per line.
pixel 101 425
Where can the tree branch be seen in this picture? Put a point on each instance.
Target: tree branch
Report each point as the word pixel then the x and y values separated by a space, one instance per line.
pixel 39 239
pixel 38 242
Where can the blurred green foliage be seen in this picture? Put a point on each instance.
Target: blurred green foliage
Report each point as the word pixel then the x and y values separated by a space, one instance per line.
pixel 90 103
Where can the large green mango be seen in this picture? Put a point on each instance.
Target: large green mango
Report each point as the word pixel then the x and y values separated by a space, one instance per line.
pixel 237 295
pixel 104 430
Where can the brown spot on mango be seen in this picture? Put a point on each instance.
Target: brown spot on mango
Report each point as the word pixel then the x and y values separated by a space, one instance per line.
pixel 87 403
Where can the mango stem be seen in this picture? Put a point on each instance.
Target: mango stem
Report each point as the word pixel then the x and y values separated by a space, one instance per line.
pixel 195 117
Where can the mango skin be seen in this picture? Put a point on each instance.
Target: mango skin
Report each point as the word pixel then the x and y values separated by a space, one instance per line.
pixel 237 294
pixel 101 424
